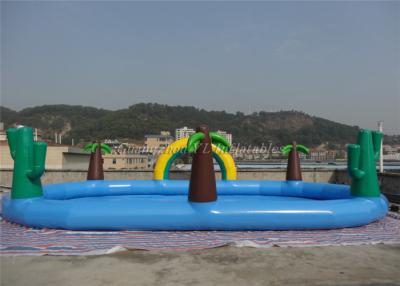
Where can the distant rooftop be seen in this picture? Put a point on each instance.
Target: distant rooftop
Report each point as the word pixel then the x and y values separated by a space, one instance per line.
pixel 158 136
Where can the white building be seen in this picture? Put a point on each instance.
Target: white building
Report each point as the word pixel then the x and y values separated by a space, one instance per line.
pixel 393 156
pixel 154 141
pixel 58 157
pixel 186 132
pixel 3 136
pixel 227 135
pixel 183 132
pixel 37 134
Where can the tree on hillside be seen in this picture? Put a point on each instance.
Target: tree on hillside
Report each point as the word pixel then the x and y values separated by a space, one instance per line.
pixel 87 123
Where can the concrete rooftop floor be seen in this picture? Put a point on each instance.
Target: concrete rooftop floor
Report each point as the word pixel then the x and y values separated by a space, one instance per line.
pixel 331 265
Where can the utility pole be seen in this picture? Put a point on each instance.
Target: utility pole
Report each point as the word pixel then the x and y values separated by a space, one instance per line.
pixel 380 128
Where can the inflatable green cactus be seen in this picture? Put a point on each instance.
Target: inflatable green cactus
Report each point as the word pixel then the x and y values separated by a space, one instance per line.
pixel 361 163
pixel 29 158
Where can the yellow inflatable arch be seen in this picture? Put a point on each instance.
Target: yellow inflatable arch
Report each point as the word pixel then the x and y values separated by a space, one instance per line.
pixel 178 148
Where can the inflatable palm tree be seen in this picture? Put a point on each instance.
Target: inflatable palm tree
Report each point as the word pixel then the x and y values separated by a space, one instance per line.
pixel 95 171
pixel 293 170
pixel 202 187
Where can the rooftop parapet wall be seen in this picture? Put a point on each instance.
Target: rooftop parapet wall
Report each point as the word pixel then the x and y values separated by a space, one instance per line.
pixel 58 176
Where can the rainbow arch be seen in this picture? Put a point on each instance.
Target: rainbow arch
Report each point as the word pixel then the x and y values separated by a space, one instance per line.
pixel 178 148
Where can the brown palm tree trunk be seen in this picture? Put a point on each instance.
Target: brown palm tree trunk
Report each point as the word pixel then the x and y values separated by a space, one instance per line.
pixel 95 171
pixel 202 187
pixel 293 171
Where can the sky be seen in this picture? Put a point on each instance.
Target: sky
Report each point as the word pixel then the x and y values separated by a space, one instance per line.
pixel 337 60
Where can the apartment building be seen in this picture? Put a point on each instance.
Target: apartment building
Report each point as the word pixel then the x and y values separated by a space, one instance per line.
pixel 125 161
pixel 157 141
pixel 58 157
pixel 183 132
pixel 186 132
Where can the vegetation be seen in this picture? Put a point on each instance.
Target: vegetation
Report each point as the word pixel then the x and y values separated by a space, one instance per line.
pixel 86 124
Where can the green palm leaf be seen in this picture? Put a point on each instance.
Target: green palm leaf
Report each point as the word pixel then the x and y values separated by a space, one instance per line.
pixel 93 146
pixel 194 141
pixel 220 141
pixel 89 147
pixel 105 148
pixel 303 149
pixel 299 147
pixel 286 150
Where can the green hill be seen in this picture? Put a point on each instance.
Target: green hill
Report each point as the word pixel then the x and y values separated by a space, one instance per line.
pixel 89 123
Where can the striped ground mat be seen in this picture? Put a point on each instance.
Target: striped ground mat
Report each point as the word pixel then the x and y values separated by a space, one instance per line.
pixel 18 240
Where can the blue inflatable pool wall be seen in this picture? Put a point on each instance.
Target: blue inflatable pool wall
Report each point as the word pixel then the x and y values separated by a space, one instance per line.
pixel 163 205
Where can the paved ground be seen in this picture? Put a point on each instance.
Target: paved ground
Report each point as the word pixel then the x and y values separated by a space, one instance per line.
pixel 350 265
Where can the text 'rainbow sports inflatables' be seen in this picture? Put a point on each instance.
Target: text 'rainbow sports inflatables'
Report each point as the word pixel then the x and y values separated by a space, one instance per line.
pixel 202 203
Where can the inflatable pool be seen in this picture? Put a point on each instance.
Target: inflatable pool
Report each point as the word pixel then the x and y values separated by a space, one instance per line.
pixel 163 204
